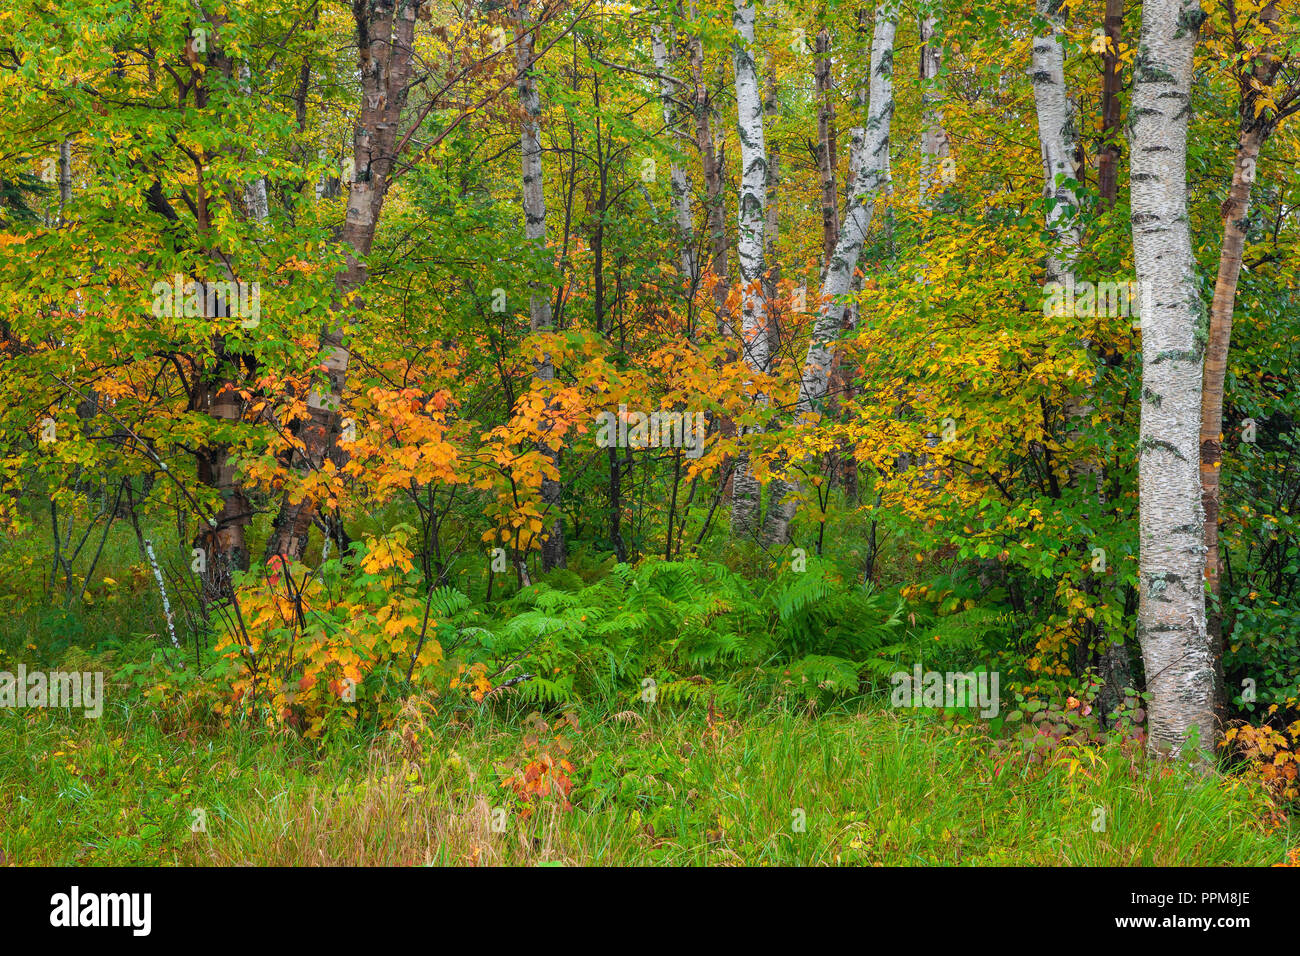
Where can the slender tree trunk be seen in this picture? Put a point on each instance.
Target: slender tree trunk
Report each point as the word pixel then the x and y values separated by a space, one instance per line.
pixel 1111 83
pixel 712 168
pixel 1114 662
pixel 385 32
pixel 539 300
pixel 827 147
pixel 1171 607
pixel 680 183
pixel 746 493
pixel 1056 140
pixel 1236 214
pixel 223 541
pixel 844 372
pixel 255 199
pixel 934 138
pixel 872 177
pixel 1255 128
pixel 65 180
pixel 616 504
pixel 827 160
pixel 711 163
pixel 934 150
pixel 772 226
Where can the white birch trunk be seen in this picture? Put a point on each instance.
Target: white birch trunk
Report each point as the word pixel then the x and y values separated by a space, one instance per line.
pixel 65 180
pixel 1056 140
pixel 680 183
pixel 827 147
pixel 751 219
pixel 872 178
pixel 385 34
pixel 1171 609
pixel 539 299
pixel 711 162
pixel 255 199
pixel 934 138
pixel 934 150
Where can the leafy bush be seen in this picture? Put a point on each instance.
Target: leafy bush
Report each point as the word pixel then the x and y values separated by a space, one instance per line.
pixel 300 646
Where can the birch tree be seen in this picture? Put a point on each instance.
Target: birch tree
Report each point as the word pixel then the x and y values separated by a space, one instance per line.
pixel 934 138
pixel 871 179
pixel 539 300
pixel 224 539
pixel 1171 623
pixel 751 220
pixel 844 462
pixel 827 150
pixel 934 150
pixel 255 199
pixel 1056 140
pixel 772 226
pixel 711 169
pixel 679 181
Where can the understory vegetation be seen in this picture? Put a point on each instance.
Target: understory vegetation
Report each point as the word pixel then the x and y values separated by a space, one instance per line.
pixel 676 713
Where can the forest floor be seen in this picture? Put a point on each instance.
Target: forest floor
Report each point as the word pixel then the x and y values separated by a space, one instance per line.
pixel 154 782
pixel 859 786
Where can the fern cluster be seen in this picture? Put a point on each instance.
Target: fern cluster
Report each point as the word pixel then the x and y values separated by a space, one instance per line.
pixel 681 631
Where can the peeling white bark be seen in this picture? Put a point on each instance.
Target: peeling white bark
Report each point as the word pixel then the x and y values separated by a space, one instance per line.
pixel 680 183
pixel 1056 140
pixel 872 178
pixel 65 180
pixel 751 219
pixel 385 35
pixel 1171 610
pixel 752 212
pixel 539 299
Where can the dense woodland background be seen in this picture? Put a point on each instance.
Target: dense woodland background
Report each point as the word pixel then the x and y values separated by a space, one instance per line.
pixel 988 312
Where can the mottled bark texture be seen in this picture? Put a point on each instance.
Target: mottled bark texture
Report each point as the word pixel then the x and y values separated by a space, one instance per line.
pixel 1056 140
pixel 751 222
pixel 1171 603
pixel 679 181
pixel 827 147
pixel 1058 144
pixel 772 227
pixel 539 299
pixel 223 542
pixel 385 30
pixel 934 138
pixel 712 169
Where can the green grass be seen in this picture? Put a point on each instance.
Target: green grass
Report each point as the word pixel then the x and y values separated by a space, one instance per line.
pixel 652 785
pixel 873 787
